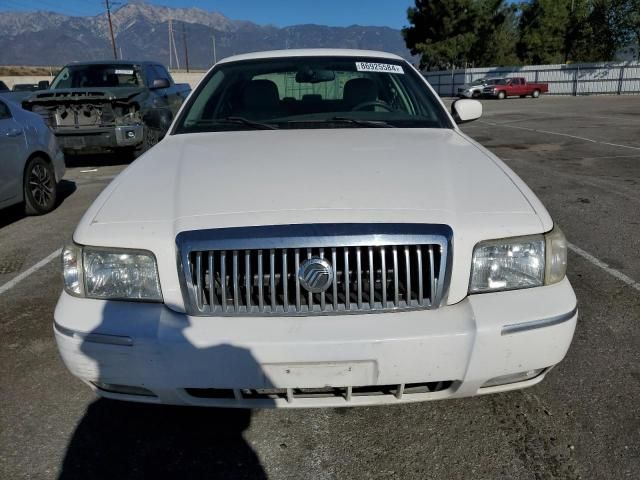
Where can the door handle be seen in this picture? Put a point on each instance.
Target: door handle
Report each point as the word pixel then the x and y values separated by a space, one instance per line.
pixel 14 133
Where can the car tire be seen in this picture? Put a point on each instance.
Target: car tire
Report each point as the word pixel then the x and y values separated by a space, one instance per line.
pixel 476 95
pixel 150 137
pixel 536 94
pixel 502 95
pixel 40 188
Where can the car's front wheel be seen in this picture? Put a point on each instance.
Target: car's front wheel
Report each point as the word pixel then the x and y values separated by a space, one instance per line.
pixel 150 137
pixel 502 95
pixel 40 188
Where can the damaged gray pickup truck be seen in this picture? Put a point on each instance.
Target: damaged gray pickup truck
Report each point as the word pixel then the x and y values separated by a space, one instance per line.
pixel 110 105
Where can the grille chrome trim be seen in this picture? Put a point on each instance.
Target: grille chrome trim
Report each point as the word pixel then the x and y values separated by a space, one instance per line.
pixel 368 275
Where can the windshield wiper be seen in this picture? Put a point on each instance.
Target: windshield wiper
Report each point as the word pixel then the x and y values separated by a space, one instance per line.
pixel 350 121
pixel 249 123
pixel 363 123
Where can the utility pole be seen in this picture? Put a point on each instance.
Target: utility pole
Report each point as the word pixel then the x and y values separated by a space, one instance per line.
pixel 186 47
pixel 113 40
pixel 173 51
pixel 170 51
pixel 215 55
pixel 172 45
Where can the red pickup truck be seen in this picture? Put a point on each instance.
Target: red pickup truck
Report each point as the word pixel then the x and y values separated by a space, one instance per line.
pixel 515 87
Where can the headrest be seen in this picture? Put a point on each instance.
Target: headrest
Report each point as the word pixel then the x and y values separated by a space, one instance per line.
pixel 359 90
pixel 112 80
pixel 261 94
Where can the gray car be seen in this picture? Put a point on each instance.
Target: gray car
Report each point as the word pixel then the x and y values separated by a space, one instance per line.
pixel 31 164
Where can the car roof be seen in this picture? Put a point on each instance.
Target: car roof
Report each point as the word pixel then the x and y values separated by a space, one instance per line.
pixel 311 52
pixel 116 62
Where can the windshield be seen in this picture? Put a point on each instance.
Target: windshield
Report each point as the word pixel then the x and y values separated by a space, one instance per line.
pixel 88 76
pixel 311 92
pixel 492 81
pixel 480 81
pixel 502 81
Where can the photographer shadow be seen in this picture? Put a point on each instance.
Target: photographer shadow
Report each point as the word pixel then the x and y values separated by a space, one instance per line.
pixel 126 440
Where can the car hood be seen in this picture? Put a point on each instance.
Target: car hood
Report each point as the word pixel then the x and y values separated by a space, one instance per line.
pixel 353 175
pixel 64 95
pixel 222 175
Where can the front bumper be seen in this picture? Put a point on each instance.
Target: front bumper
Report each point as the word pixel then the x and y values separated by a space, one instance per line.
pixel 227 361
pixel 466 93
pixel 86 140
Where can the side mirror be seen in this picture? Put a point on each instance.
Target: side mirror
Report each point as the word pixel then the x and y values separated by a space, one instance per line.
pixel 160 83
pixel 466 110
pixel 43 85
pixel 158 119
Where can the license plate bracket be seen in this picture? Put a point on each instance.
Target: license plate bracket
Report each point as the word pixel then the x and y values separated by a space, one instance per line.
pixel 321 374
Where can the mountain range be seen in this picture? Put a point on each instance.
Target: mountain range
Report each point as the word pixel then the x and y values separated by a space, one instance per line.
pixel 142 33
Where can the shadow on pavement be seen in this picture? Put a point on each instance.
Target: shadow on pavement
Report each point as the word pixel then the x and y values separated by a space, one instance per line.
pixel 12 214
pixel 99 159
pixel 119 440
pixel 122 440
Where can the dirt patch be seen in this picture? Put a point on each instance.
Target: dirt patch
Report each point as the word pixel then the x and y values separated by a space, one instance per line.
pixel 26 71
pixel 12 261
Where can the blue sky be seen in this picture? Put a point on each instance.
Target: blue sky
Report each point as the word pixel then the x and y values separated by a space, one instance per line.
pixel 390 13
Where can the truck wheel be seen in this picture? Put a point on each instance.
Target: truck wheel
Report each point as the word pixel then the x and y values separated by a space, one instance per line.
pixel 502 95
pixel 535 94
pixel 40 189
pixel 150 137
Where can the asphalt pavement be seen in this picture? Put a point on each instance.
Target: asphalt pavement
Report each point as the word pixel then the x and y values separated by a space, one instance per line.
pixel 581 156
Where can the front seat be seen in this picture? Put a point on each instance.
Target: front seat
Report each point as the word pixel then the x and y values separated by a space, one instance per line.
pixel 112 80
pixel 357 91
pixel 260 99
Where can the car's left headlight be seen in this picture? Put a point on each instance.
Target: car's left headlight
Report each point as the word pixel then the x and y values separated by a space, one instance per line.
pixel 111 274
pixel 519 262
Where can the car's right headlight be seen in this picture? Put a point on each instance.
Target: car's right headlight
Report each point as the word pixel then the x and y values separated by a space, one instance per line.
pixel 110 274
pixel 519 262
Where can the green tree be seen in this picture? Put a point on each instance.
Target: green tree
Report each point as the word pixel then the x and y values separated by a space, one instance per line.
pixel 460 32
pixel 615 25
pixel 502 37
pixel 579 32
pixel 543 31
pixel 557 31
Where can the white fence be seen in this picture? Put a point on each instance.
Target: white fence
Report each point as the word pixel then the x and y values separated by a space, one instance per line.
pixel 574 79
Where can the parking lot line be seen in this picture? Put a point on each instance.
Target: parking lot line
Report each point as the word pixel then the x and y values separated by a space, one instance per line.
pixel 599 263
pixel 14 281
pixel 585 139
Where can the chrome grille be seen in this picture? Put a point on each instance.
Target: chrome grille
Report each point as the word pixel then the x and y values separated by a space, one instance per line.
pixel 255 270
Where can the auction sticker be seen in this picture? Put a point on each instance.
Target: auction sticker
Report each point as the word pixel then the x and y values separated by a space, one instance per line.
pixel 378 67
pixel 124 72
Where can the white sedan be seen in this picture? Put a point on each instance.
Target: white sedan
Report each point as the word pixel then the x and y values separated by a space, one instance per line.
pixel 32 164
pixel 315 230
